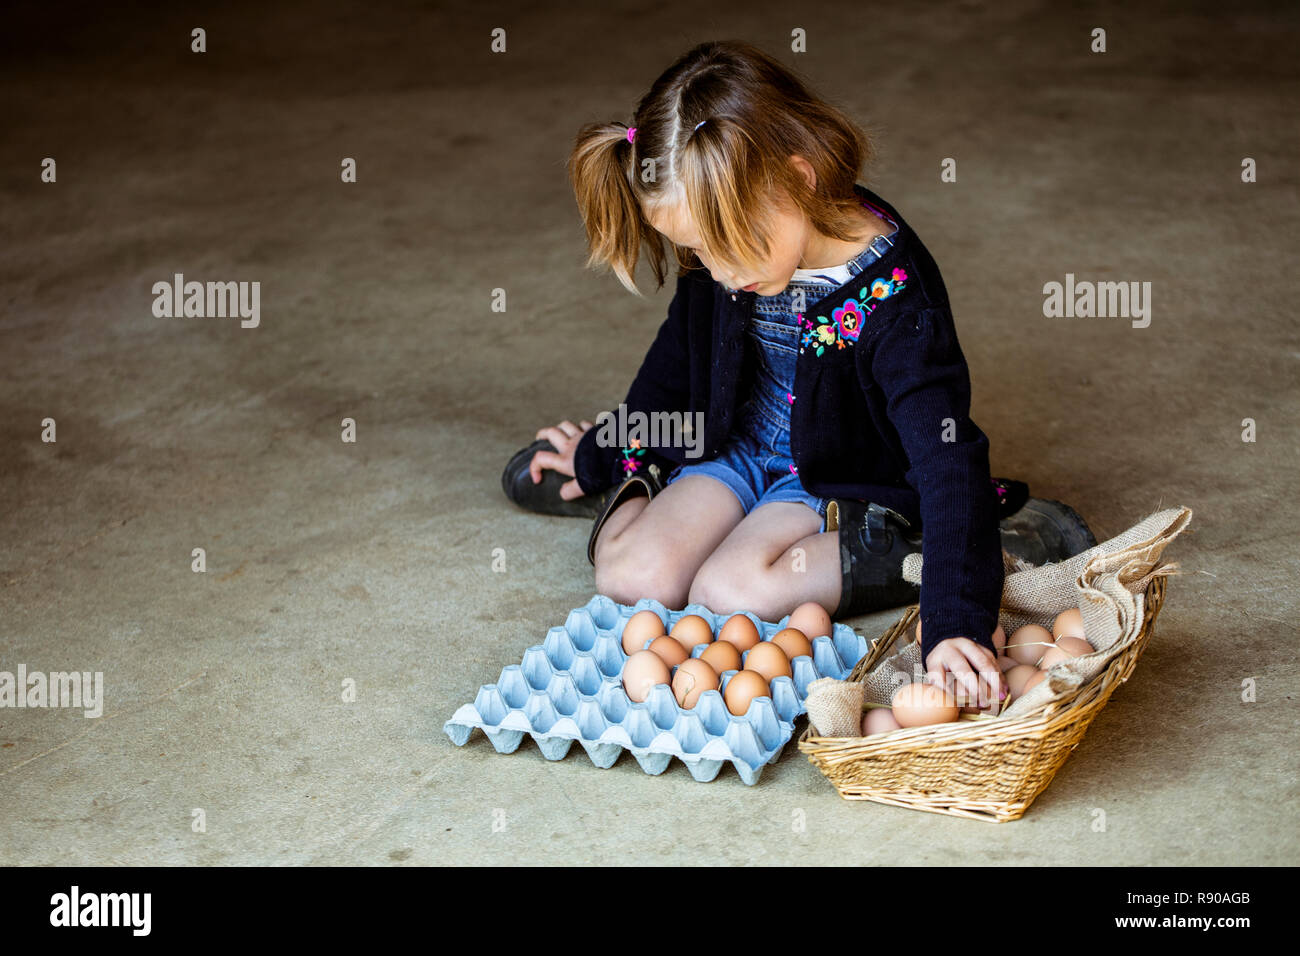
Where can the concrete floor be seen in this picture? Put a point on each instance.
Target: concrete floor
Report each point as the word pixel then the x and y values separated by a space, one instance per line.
pixel 372 561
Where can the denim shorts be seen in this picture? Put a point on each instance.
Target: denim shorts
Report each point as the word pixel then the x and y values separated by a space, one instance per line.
pixel 756 475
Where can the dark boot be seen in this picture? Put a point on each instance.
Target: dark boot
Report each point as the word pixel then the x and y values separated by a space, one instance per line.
pixel 647 483
pixel 1045 532
pixel 874 540
pixel 544 497
pixel 1038 530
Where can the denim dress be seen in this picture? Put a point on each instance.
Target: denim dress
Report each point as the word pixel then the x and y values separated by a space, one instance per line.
pixel 756 462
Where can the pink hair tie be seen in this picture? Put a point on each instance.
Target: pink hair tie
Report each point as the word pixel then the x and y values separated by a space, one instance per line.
pixel 631 133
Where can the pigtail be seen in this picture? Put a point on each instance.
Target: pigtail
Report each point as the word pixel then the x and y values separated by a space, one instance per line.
pixel 600 170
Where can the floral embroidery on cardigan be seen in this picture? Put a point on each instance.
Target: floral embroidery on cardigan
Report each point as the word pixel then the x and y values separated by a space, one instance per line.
pixel 630 454
pixel 845 323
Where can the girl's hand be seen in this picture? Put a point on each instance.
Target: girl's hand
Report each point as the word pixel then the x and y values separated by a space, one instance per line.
pixel 967 670
pixel 564 437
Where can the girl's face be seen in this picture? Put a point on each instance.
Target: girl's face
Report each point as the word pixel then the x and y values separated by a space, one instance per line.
pixel 789 241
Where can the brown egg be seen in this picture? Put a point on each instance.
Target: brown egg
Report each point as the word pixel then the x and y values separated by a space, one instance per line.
pixel 793 642
pixel 641 627
pixel 642 671
pixel 1053 656
pixel 879 720
pixel 740 631
pixel 922 704
pixel 767 660
pixel 741 690
pixel 1029 643
pixel 669 651
pixel 999 639
pixel 1034 681
pixel 1077 646
pixel 811 619
pixel 1006 663
pixel 1017 677
pixel 722 656
pixel 1068 623
pixel 691 631
pixel 1066 648
pixel 692 679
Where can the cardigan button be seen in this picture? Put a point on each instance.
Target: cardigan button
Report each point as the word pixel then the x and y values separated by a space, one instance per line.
pixel 733 297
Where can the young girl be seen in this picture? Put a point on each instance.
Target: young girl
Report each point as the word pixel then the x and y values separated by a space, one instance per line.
pixel 811 333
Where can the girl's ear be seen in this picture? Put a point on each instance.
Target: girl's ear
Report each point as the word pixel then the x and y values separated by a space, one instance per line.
pixel 805 169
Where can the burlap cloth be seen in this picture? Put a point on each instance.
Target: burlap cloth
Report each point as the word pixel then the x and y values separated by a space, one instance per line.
pixel 1106 583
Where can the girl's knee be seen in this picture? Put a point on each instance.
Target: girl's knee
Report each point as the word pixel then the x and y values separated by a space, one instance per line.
pixel 726 588
pixel 627 577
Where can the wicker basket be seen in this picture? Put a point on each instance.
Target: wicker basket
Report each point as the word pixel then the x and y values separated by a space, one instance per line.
pixel 986 769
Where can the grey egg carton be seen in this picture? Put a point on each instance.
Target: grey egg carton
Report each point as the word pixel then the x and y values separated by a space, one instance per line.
pixel 570 688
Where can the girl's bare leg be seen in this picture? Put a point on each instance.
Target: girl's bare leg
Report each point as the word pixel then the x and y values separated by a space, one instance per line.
pixel 652 548
pixel 772 561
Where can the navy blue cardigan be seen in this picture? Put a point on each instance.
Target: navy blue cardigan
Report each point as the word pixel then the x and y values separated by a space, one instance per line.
pixel 880 413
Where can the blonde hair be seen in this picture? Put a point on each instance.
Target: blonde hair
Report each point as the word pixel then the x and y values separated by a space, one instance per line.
pixel 756 114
